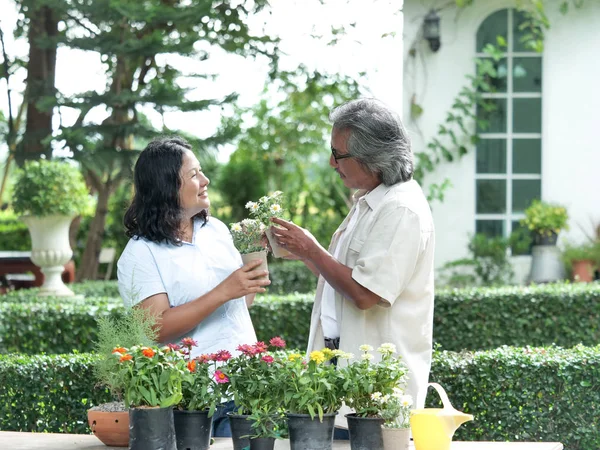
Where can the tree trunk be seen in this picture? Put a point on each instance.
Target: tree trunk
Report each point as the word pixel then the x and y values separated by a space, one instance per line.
pixel 88 269
pixel 41 72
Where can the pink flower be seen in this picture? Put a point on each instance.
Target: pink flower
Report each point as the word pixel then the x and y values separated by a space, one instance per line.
pixel 189 342
pixel 220 377
pixel 246 349
pixel 174 347
pixel 203 358
pixel 222 356
pixel 260 347
pixel 268 359
pixel 277 342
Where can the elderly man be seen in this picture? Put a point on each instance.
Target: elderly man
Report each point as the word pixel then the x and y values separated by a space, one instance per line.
pixel 376 280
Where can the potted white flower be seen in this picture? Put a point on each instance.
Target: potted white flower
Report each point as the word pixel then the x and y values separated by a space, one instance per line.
pixel 48 195
pixel 262 210
pixel 395 411
pixel 248 239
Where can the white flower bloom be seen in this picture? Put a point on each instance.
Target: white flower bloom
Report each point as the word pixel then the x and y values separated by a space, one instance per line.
pixel 398 393
pixel 375 395
pixel 263 200
pixel 275 208
pixel 366 356
pixel 247 222
pixel 236 227
pixel 365 348
pixel 406 400
pixel 262 227
pixel 385 398
pixel 387 349
pixel 251 205
pixel 276 194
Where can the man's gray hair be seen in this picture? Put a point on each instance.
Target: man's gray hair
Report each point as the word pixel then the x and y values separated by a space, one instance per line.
pixel 377 139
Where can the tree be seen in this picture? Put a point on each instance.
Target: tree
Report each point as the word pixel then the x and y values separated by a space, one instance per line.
pixel 287 141
pixel 136 40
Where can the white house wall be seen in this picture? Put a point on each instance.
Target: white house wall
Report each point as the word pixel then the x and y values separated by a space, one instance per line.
pixel 570 114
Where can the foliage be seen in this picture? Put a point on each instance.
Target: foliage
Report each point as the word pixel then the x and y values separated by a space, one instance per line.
pixel 290 276
pixel 14 234
pixel 200 387
pixel 525 394
pixel 395 409
pixel 488 263
pixel 285 139
pixel 248 235
pixel 44 188
pixel 545 218
pixel 517 394
pixel 266 207
pixel 366 382
pixel 589 251
pixel 152 376
pixel 133 327
pixel 312 386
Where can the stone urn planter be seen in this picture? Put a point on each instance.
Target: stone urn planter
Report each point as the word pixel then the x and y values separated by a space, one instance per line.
pixel 111 427
pixel 50 250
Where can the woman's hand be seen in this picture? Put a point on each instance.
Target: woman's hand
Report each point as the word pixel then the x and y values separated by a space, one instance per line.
pixel 244 281
pixel 295 239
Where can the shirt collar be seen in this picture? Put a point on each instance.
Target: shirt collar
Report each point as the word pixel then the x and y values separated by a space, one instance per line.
pixel 374 197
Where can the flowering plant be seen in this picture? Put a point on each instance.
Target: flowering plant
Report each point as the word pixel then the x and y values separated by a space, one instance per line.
pixel 152 376
pixel 253 382
pixel 368 381
pixel 545 218
pixel 201 385
pixel 394 408
pixel 247 235
pixel 267 207
pixel 313 387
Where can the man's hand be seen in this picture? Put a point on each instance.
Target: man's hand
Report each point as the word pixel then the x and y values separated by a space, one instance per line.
pixel 295 239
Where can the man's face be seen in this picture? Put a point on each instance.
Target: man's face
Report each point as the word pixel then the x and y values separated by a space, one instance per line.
pixel 350 171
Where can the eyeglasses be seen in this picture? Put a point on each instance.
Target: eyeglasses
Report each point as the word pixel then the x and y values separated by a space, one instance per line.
pixel 337 157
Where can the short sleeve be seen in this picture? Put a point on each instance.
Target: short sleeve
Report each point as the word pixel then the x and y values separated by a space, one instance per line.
pixel 389 255
pixel 137 273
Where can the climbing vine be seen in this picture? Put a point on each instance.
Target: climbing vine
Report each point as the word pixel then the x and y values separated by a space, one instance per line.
pixel 468 115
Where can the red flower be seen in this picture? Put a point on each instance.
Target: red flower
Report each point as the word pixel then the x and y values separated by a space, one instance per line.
pixel 148 352
pixel 246 349
pixel 268 359
pixel 125 358
pixel 119 350
pixel 277 342
pixel 222 356
pixel 220 377
pixel 203 358
pixel 260 347
pixel 174 347
pixel 189 342
pixel 191 366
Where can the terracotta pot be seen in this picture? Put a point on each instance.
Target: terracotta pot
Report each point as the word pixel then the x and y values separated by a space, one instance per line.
pixel 247 257
pixel 112 428
pixel 583 271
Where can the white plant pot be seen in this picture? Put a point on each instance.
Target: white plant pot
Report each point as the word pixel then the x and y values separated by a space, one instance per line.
pixel 50 250
pixel 395 438
pixel 247 257
pixel 278 250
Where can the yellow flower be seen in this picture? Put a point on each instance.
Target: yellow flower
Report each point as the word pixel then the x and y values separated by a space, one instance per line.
pixel 317 356
pixel 328 353
pixel 294 356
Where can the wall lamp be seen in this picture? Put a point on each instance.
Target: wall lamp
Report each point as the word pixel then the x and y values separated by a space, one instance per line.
pixel 431 30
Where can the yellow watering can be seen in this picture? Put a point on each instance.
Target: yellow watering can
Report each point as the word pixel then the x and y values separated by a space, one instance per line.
pixel 433 428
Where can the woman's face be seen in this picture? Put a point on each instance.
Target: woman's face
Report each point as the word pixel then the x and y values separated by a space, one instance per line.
pixel 193 194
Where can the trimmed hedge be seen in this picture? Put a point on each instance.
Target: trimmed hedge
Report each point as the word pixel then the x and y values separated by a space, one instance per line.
pixel 516 394
pixel 476 319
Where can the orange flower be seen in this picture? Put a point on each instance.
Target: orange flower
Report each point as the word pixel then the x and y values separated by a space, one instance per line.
pixel 148 352
pixel 119 350
pixel 125 358
pixel 191 366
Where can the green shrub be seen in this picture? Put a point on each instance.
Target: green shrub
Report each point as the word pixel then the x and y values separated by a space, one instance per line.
pixel 290 276
pixel 515 394
pixel 525 394
pixel 14 235
pixel 48 393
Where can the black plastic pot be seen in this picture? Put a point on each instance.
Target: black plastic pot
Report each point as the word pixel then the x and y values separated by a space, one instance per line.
pixel 151 429
pixel 365 432
pixel 241 430
pixel 310 434
pixel 192 429
pixel 262 443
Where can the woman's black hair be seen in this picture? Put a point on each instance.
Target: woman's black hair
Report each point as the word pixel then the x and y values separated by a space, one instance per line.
pixel 155 211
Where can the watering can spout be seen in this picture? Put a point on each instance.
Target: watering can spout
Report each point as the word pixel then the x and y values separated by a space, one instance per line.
pixel 461 418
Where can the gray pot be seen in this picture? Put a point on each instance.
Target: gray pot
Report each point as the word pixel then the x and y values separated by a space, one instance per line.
pixel 310 434
pixel 192 429
pixel 151 429
pixel 546 264
pixel 365 432
pixel 241 430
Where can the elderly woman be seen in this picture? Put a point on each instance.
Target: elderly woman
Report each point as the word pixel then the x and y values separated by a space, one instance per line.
pixel 180 264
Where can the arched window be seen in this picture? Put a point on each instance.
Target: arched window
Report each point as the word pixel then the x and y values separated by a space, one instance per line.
pixel 509 154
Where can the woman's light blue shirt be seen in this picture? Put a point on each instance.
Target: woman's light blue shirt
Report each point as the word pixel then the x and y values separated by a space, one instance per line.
pixel 185 273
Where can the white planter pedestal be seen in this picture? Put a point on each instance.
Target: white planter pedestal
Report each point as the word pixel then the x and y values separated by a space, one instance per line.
pixel 50 250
